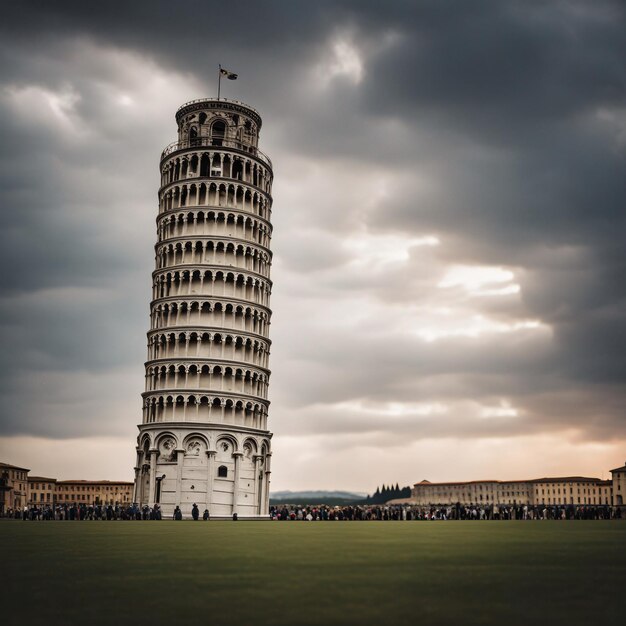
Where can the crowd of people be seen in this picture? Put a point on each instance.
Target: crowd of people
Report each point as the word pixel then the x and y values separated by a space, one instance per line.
pixel 77 512
pixel 332 513
pixel 451 512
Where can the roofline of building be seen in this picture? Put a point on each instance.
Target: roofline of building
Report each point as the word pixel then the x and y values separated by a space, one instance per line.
pixel 24 469
pixel 42 478
pixel 96 482
pixel 566 479
pixel 557 479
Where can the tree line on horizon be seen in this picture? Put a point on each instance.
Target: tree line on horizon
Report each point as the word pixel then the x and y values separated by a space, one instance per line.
pixel 385 493
pixel 382 495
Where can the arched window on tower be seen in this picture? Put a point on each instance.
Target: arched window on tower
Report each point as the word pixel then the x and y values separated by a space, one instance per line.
pixel 193 136
pixel 237 171
pixel 204 165
pixel 222 471
pixel 218 130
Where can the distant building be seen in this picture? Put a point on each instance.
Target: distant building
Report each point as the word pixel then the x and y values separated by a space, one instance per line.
pixel 570 490
pixel 472 492
pixel 18 489
pixel 576 490
pixel 13 487
pixel 41 490
pixel 93 492
pixel 619 485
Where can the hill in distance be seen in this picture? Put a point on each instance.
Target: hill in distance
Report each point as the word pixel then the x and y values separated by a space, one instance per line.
pixel 315 497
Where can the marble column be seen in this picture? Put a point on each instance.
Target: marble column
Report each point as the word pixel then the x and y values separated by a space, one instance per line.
pixel 210 477
pixel 265 505
pixel 154 453
pixel 180 459
pixel 256 497
pixel 136 485
pixel 237 456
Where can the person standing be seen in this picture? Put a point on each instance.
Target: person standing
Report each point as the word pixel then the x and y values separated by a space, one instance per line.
pixel 195 512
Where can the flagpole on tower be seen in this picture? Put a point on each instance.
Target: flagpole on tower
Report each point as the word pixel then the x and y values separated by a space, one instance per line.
pixel 223 72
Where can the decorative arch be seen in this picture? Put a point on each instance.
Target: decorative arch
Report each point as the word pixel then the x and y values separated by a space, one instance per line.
pixel 228 440
pixel 195 445
pixel 251 444
pixel 167 444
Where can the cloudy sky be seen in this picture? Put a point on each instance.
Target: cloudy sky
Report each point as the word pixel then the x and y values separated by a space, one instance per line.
pixel 449 211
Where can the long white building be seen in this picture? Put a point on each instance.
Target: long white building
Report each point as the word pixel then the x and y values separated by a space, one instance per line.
pixel 204 437
pixel 563 490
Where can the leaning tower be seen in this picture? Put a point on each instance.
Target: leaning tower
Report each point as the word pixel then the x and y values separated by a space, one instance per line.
pixel 203 437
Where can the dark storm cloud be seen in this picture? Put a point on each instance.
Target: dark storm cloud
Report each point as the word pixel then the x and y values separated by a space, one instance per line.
pixel 498 127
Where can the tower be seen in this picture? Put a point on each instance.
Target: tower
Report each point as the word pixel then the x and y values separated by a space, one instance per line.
pixel 203 437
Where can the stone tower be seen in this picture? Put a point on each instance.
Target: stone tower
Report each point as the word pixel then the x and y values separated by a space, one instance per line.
pixel 203 438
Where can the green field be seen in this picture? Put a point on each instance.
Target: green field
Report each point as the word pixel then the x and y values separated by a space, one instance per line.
pixel 297 573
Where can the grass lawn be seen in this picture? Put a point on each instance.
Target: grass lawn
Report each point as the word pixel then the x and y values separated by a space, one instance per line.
pixel 298 573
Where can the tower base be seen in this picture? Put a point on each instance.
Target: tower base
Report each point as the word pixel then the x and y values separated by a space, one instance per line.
pixel 222 468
